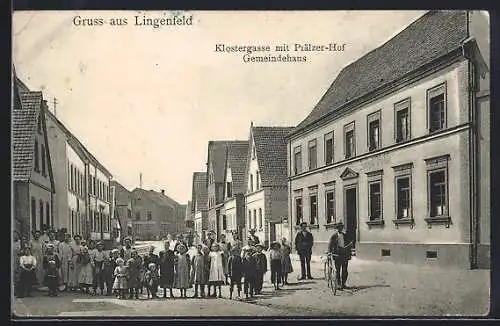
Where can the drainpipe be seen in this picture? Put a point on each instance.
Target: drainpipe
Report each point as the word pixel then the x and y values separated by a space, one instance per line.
pixel 290 208
pixel 473 163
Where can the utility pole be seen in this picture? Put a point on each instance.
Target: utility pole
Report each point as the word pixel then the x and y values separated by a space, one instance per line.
pixel 55 105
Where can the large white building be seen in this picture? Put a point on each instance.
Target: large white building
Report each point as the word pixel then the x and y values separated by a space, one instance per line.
pixel 83 185
pixel 398 148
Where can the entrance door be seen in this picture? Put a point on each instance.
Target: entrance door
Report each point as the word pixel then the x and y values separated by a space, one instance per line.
pixel 351 214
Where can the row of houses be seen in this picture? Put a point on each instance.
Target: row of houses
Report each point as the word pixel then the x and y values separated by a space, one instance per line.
pixel 58 183
pixel 398 149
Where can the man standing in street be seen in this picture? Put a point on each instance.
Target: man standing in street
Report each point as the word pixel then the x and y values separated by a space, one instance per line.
pixel 341 247
pixel 303 244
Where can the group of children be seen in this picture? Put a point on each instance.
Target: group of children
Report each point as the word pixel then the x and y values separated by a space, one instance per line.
pixel 126 274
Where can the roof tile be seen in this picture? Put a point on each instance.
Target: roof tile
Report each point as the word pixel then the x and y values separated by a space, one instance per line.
pixel 431 36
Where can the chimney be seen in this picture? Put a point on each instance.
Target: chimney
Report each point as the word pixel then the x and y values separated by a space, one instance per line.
pixel 162 192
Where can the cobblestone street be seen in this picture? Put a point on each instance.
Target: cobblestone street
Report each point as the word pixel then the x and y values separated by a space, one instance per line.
pixel 375 289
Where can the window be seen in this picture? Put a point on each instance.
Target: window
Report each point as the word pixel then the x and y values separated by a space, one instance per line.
pixel 48 215
pixel 374 131
pixel 251 182
pixel 298 210
pixel 44 169
pixel 129 214
pixel 313 155
pixel 33 214
pixel 257 181
pixel 375 200
pixel 438 197
pixel 349 143
pixel 224 222
pixel 229 191
pixel 249 219
pixel 253 153
pixel 297 160
pixel 150 216
pixel 254 218
pixel 41 215
pixel 37 164
pixel 402 120
pixel 137 216
pixel 313 213
pixel 436 104
pixel 403 193
pixel 329 148
pixel 330 206
pixel 261 221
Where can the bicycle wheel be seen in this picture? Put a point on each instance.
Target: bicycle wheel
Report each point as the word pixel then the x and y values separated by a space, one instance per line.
pixel 327 273
pixel 333 281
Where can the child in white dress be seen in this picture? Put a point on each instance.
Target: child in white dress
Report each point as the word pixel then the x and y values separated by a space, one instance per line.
pixel 217 277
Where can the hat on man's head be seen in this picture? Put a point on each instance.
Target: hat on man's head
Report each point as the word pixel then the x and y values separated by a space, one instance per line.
pixel 339 224
pixel 275 244
pixel 258 245
pixel 303 224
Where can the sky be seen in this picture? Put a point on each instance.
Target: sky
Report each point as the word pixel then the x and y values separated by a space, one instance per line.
pixel 147 100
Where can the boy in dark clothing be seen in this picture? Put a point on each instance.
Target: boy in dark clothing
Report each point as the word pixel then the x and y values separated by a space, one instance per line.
pixel 235 271
pixel 249 269
pixel 51 266
pixel 108 268
pixel 151 279
pixel 261 261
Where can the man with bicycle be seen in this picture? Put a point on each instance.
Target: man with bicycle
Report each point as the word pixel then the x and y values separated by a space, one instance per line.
pixel 340 247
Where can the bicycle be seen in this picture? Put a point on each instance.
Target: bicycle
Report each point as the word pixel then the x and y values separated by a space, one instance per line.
pixel 330 271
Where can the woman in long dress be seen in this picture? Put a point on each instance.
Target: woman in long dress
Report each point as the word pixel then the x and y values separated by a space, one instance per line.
pixel 37 251
pixel 74 265
pixel 182 266
pixel 217 277
pixel 286 262
pixel 167 261
pixel 27 277
pixel 65 255
pixel 225 247
pixel 86 278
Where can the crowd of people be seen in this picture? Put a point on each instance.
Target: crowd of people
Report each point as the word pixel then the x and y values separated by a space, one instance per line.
pixel 75 264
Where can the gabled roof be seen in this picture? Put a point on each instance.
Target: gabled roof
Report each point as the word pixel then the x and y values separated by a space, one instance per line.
pixel 199 194
pixel 271 151
pixel 430 37
pixel 122 194
pixel 217 152
pixel 237 161
pixel 25 114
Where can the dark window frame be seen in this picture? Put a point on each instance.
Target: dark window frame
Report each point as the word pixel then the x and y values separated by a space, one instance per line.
pixel 312 154
pixel 299 213
pixel 350 151
pixel 432 93
pixel 297 160
pixel 313 209
pixel 330 218
pixel 398 207
pixel 371 119
pixel 329 159
pixel 403 105
pixel 371 202
pixel 37 163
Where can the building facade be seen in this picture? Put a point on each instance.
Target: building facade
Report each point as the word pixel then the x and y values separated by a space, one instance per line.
pixel 407 192
pixel 83 200
pixel 154 214
pixel 216 162
pixel 199 208
pixel 266 193
pixel 233 212
pixel 123 208
pixel 33 182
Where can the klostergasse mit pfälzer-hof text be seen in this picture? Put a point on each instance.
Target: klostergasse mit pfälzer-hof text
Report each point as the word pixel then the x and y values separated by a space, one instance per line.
pixel 285 52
